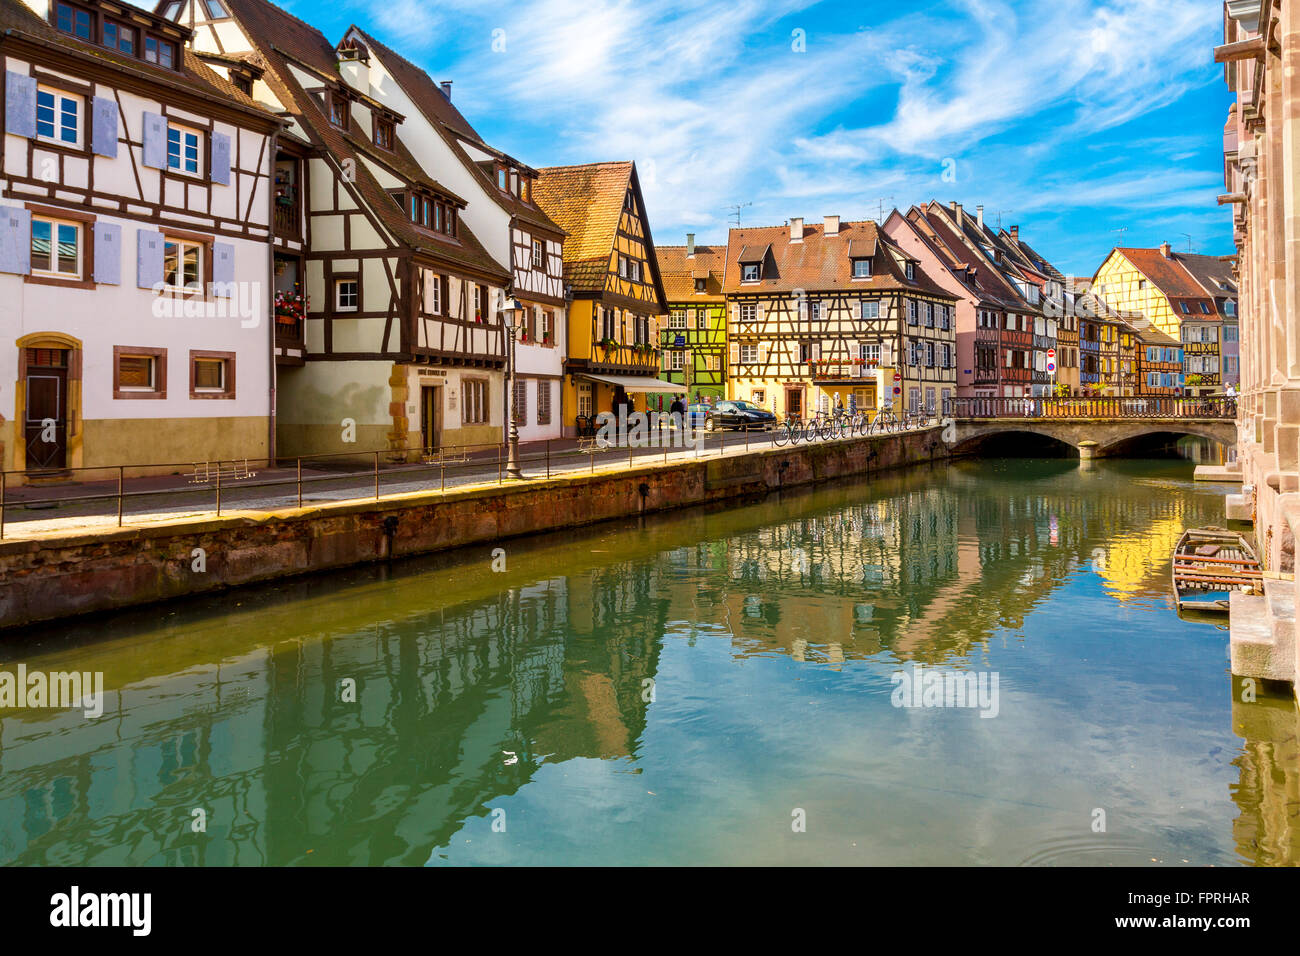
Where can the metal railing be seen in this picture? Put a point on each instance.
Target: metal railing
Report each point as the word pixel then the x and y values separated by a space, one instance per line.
pixel 1112 407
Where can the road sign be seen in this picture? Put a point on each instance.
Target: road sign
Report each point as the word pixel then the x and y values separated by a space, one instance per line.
pixel 1051 354
pixel 898 377
pixel 898 390
pixel 1051 366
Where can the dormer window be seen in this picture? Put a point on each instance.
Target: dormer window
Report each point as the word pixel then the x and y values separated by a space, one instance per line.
pixel 384 133
pixel 911 272
pixel 699 285
pixel 215 10
pixel 503 178
pixel 526 189
pixel 338 110
pixel 119 37
pixel 862 268
pixel 749 271
pixel 162 52
pixel 74 20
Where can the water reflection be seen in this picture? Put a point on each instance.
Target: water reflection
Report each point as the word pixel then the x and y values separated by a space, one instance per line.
pixel 664 692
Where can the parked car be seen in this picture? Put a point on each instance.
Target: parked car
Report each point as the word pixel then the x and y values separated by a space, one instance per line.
pixel 735 415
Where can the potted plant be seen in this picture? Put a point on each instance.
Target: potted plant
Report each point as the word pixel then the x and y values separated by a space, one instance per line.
pixel 608 344
pixel 290 307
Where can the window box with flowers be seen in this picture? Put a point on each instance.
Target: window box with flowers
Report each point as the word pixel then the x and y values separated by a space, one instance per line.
pixel 608 344
pixel 290 307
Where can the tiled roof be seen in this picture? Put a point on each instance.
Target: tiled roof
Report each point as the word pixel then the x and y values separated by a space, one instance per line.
pixel 587 203
pixel 296 40
pixel 452 126
pixel 979 275
pixel 679 273
pixel 1168 275
pixel 821 263
pixel 1209 271
pixel 194 75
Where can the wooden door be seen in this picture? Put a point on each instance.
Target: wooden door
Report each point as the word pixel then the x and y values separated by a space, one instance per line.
pixel 429 426
pixel 46 415
pixel 794 403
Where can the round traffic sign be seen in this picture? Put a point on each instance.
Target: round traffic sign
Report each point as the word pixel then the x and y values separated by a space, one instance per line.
pixel 898 377
pixel 897 390
pixel 1051 353
pixel 1051 366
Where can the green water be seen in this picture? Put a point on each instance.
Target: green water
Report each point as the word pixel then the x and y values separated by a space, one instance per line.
pixel 702 687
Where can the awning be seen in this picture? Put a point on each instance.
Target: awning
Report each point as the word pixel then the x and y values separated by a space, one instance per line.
pixel 636 383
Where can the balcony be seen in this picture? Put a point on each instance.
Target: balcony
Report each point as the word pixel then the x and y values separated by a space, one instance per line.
pixel 288 217
pixel 842 371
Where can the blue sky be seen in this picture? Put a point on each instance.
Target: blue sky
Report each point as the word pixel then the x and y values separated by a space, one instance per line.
pixel 1072 119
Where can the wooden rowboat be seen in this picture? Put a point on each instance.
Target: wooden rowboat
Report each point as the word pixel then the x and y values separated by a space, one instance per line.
pixel 1210 563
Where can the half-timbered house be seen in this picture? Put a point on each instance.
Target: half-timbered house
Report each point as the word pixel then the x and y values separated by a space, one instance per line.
pixel 836 311
pixel 134 230
pixel 502 213
pixel 617 295
pixel 694 343
pixel 403 349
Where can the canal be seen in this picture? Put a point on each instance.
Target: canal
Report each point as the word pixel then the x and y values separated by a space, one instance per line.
pixel 709 686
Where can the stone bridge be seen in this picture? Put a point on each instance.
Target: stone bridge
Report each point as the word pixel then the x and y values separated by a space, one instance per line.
pixel 1094 427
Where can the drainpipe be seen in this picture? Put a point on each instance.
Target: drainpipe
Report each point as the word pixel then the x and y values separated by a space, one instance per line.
pixel 270 301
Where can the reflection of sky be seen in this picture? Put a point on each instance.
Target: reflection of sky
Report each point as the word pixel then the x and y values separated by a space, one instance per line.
pixel 1103 705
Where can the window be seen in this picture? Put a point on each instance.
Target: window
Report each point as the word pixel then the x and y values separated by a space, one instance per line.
pixel 749 355
pixel 911 271
pixel 182 265
pixel 929 315
pixel 173 8
pixel 162 52
pixel 871 308
pixel 701 319
pixel 1142 283
pixel 862 268
pixel 711 361
pixel 433 293
pixel 677 320
pixel 815 310
pixel 119 37
pixel 538 253
pixel 749 312
pixel 749 272
pixel 73 20
pixel 929 354
pixel 58 116
pixel 242 83
pixel 474 401
pixel 215 10
pixel 634 270
pixel 212 374
pixel 1187 309
pixel 913 315
pixel 503 178
pixel 699 287
pixel 346 295
pixel 56 248
pixel 338 111
pixel 183 150
pixel 480 302
pixel 384 133
pixel 543 402
pixel 520 405
pixel 1205 308
pixel 677 360
pixel 1229 332
pixel 944 314
pixel 869 353
pixel 139 372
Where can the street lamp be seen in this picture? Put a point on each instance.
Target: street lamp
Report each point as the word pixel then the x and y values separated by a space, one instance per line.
pixel 512 316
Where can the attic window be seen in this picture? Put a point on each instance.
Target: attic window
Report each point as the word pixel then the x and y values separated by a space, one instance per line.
pixel 699 285
pixel 338 110
pixel 383 133
pixel 862 268
pixel 503 178
pixel 242 83
pixel 526 189
pixel 749 271
pixel 911 272
pixel 215 10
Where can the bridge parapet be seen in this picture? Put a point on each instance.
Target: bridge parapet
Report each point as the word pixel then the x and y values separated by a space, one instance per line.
pixel 1135 408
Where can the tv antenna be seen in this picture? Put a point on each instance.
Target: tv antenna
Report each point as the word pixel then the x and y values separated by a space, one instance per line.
pixel 735 211
pixel 1188 237
pixel 999 215
pixel 880 203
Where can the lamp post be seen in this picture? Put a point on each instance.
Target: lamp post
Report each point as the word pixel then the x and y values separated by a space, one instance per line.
pixel 511 315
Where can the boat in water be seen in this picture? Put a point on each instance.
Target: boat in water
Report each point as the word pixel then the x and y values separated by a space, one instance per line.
pixel 1211 563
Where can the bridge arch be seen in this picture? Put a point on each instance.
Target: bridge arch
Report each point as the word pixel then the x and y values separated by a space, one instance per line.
pixel 1104 437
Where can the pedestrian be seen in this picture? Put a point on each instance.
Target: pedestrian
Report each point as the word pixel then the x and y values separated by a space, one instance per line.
pixel 678 407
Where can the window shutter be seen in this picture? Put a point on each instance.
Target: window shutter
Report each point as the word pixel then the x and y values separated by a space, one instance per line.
pixel 734 354
pixel 20 104
pixel 887 354
pixel 219 170
pixel 103 126
pixel 108 253
pixel 760 311
pixel 815 353
pixel 15 239
pixel 763 352
pixel 735 313
pixel 149 259
pixel 223 269
pixel 857 309
pixel 154 152
pixel 803 310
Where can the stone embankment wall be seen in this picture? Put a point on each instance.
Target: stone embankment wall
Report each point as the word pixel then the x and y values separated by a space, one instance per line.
pixel 48 578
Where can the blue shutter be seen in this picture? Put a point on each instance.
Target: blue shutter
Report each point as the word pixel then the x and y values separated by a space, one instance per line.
pixel 149 259
pixel 20 104
pixel 103 126
pixel 223 269
pixel 155 141
pixel 15 240
pixel 108 253
pixel 220 171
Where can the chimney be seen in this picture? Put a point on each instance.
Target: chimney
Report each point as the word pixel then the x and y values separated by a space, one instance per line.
pixel 1015 233
pixel 956 211
pixel 832 225
pixel 796 230
pixel 446 89
pixel 1164 249
pixel 690 244
pixel 979 215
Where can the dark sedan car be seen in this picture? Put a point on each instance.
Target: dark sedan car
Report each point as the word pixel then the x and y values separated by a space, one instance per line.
pixel 735 415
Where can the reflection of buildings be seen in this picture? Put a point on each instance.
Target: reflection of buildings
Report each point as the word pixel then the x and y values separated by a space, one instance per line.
pixel 1268 794
pixel 282 765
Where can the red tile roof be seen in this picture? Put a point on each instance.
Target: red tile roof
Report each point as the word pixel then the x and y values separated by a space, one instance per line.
pixel 679 273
